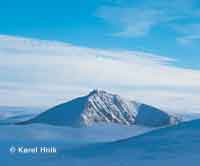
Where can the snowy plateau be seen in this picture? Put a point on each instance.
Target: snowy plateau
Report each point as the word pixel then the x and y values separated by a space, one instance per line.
pixel 99 129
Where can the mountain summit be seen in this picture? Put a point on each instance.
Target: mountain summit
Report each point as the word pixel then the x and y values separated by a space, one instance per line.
pixel 102 107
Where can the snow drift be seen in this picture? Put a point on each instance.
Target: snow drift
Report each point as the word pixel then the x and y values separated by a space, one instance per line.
pixel 176 145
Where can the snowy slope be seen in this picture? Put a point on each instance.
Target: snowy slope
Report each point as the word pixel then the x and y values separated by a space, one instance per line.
pixel 100 106
pixel 177 145
pixel 63 138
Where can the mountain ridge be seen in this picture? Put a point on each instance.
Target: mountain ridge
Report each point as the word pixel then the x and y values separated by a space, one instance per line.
pixel 100 106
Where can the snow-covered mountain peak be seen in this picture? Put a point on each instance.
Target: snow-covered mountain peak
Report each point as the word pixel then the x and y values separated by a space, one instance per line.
pixel 96 91
pixel 102 107
pixel 100 93
pixel 106 107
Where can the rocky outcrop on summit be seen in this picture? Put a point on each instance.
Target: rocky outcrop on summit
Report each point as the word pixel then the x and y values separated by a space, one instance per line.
pixel 105 107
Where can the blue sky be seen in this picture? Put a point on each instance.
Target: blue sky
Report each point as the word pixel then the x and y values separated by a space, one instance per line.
pixel 53 51
pixel 167 28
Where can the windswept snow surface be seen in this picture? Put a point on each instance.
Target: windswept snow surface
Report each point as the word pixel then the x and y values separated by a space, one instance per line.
pixel 63 138
pixel 100 106
pixel 176 145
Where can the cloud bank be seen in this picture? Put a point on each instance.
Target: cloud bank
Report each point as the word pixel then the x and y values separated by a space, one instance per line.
pixel 42 73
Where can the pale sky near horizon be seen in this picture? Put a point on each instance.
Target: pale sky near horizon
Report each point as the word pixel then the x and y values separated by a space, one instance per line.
pixel 144 50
